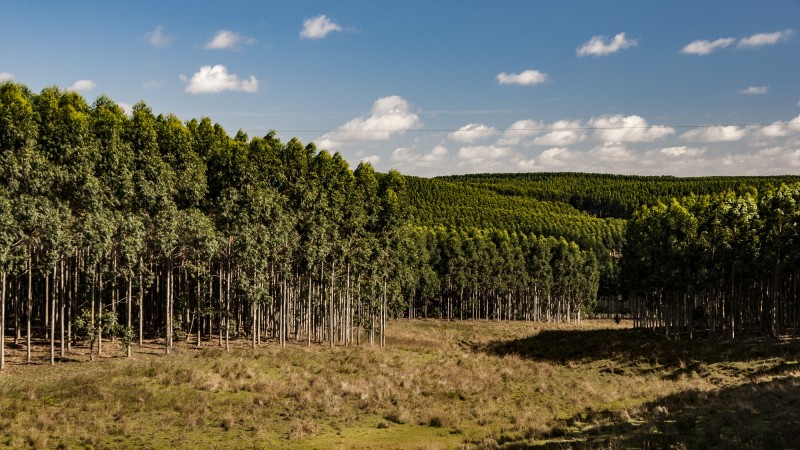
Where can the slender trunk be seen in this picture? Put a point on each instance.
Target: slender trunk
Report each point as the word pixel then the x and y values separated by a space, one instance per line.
pixel 141 299
pixel 2 320
pixel 129 329
pixel 62 298
pixel 168 313
pixel 30 305
pixel 308 311
pixel 383 315
pixel 330 303
pixel 53 319
pixel 228 304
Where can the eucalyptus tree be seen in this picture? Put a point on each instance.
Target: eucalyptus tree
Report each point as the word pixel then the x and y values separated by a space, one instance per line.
pixel 19 161
pixel 10 238
pixel 391 218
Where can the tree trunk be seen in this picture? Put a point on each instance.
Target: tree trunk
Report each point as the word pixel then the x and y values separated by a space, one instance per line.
pixel 2 320
pixel 53 319
pixel 29 305
pixel 129 329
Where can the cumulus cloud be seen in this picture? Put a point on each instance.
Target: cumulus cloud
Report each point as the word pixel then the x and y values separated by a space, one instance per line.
pixel 82 86
pixel 493 158
pixel 318 27
pixel 372 159
pixel 762 39
pixel 556 157
pixel 562 133
pixel 216 79
pixel 225 39
pixel 715 133
pixel 681 151
pixel 5 76
pixel 480 153
pixel 619 128
pixel 754 90
pixel 519 131
pixel 158 38
pixel 408 157
pixel 611 152
pixel 472 132
pixel 779 129
pixel 703 47
pixel 600 46
pixel 526 78
pixel 389 116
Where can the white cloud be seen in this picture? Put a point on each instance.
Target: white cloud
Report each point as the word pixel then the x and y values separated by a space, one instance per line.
pixel 158 38
pixel 556 157
pixel 562 133
pixel 481 153
pixel 225 39
pixel 682 151
pixel 619 128
pixel 754 90
pixel 702 47
pixel 526 165
pixel 611 152
pixel 408 157
pixel 318 27
pixel 372 159
pixel 472 132
pixel 521 130
pixel 389 116
pixel 82 85
pixel 216 79
pixel 600 46
pixel 715 133
pixel 762 39
pixel 5 76
pixel 526 78
pixel 493 158
pixel 127 107
pixel 780 129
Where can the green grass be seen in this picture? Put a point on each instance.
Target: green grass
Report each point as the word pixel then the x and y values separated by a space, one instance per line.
pixel 436 385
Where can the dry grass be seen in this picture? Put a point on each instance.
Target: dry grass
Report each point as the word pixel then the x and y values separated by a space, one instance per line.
pixel 436 385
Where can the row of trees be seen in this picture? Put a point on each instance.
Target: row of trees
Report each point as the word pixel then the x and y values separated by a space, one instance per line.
pixel 496 275
pixel 161 227
pixel 724 263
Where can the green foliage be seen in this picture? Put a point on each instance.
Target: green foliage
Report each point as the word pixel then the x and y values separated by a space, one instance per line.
pixel 104 323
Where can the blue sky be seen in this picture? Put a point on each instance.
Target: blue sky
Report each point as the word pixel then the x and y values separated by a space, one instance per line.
pixel 446 87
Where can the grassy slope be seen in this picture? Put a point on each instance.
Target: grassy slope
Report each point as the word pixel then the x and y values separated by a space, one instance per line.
pixel 437 385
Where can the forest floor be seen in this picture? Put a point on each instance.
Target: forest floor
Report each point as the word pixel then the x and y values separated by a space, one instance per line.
pixel 436 385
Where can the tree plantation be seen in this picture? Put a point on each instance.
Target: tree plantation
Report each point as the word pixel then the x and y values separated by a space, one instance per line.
pixel 143 226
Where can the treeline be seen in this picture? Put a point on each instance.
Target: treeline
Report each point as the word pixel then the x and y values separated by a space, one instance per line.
pixel 144 225
pixel 717 264
pixel 607 195
pixel 497 275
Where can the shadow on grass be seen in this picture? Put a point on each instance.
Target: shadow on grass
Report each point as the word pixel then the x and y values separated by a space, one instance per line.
pixel 752 415
pixel 645 351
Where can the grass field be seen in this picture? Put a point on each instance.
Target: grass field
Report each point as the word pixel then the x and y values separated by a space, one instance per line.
pixel 436 385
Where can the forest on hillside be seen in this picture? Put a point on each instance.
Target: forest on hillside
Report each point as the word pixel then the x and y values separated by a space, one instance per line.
pixel 717 254
pixel 142 226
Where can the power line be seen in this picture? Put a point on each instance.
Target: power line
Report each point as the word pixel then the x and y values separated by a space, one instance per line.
pixel 576 128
